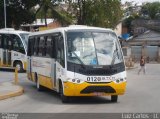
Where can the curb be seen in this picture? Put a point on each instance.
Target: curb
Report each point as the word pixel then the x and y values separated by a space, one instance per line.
pixel 129 68
pixel 10 94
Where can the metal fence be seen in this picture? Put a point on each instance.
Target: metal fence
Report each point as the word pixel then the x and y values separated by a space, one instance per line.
pixel 150 52
pixel 136 52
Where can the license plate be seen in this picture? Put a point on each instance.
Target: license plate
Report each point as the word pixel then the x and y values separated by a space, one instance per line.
pixel 100 79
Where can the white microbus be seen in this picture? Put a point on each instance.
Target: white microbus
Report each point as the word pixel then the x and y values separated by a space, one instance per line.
pixel 13 48
pixel 77 61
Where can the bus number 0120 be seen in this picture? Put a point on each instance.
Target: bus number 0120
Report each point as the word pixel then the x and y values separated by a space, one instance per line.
pixel 93 79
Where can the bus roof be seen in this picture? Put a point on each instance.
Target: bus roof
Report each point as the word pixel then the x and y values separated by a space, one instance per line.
pixel 71 27
pixel 12 31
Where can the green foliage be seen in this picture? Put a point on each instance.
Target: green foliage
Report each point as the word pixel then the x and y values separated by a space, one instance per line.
pixel 101 13
pixel 151 9
pixel 1 14
pixel 127 21
pixel 51 9
pixel 18 12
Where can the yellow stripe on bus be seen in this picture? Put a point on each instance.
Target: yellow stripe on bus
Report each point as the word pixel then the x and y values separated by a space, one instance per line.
pixel 72 89
pixel 45 81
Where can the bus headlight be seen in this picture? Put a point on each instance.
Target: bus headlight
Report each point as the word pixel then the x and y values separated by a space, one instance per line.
pixel 73 80
pixel 119 80
pixel 76 80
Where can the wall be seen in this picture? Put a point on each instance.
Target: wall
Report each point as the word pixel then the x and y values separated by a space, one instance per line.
pixel 118 29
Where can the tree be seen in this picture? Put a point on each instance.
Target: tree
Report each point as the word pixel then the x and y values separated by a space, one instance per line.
pixel 151 9
pixel 44 7
pixel 18 12
pixel 1 14
pixel 51 8
pixel 102 13
pixel 25 11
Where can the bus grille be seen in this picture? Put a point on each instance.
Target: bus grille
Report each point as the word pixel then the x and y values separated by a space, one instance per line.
pixel 92 89
pixel 92 71
pixel 98 72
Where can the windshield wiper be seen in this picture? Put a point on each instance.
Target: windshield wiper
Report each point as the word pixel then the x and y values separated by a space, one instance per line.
pixel 115 55
pixel 78 58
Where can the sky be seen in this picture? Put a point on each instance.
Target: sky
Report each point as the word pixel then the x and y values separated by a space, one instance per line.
pixel 140 1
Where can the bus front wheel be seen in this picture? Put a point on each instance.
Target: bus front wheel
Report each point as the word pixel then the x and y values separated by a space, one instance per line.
pixel 63 97
pixel 19 66
pixel 114 98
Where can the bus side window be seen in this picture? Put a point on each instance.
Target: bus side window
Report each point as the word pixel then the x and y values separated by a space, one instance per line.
pixel 41 46
pixel 17 44
pixel 54 46
pixel 5 41
pixel 60 50
pixel 10 42
pixel 30 46
pixel 36 46
pixel 48 47
pixel 44 47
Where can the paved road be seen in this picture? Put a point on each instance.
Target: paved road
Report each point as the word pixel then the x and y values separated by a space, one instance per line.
pixel 142 96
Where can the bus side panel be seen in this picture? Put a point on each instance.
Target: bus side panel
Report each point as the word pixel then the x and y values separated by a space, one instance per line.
pixel 42 67
pixel 45 81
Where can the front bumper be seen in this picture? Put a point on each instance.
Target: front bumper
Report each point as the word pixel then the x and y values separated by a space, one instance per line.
pixel 94 89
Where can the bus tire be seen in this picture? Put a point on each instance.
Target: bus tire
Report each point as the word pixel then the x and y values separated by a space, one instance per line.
pixel 19 66
pixel 63 97
pixel 114 98
pixel 38 86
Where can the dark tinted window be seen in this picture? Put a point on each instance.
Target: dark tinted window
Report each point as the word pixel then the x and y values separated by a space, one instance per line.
pixel 49 47
pixel 17 44
pixel 31 46
pixel 41 46
pixel 44 47
pixel 5 41
pixel 60 50
pixel 36 46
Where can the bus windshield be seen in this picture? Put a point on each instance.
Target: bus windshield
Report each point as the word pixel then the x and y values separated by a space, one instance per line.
pixel 93 48
pixel 24 37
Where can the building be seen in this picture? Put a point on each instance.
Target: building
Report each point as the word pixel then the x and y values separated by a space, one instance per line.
pixel 146 44
pixel 39 24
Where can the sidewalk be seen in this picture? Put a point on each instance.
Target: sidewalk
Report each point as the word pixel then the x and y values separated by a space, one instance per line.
pixel 9 89
pixel 136 65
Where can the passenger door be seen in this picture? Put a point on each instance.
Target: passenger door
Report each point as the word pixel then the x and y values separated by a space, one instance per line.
pixel 30 51
pixel 6 50
pixel 58 55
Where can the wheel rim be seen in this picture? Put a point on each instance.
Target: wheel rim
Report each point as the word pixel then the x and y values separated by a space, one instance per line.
pixel 18 66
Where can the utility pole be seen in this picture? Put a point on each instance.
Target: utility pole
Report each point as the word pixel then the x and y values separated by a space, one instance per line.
pixel 5 13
